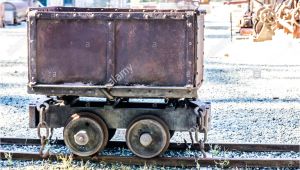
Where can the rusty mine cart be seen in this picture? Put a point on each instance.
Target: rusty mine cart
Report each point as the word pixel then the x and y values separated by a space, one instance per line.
pixel 104 69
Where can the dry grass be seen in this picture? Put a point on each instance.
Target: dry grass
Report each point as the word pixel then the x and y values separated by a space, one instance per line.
pixel 67 163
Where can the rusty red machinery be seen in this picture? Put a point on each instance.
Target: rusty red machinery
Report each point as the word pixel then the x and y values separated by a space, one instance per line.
pixel 283 15
pixel 269 16
pixel 288 17
pixel 264 24
pixel 141 69
pixel 251 17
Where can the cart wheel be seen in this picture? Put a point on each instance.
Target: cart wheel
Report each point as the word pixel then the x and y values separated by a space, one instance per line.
pixel 85 134
pixel 148 136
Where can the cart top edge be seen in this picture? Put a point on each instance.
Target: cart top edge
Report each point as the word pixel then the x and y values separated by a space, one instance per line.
pixel 116 10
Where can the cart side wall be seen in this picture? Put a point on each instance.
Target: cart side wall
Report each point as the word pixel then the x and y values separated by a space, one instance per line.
pixel 159 49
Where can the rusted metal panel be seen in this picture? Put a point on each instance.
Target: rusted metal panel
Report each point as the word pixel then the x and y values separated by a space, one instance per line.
pixel 190 44
pixel 71 51
pixel 32 116
pixel 131 10
pixel 154 49
pixel 31 36
pixel 111 51
pixel 200 48
pixel 117 91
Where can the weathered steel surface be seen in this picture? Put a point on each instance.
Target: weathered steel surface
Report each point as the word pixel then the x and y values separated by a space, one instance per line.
pixel 116 91
pixel 86 134
pixel 106 52
pixel 74 9
pixel 70 51
pixel 176 119
pixel 155 49
pixel 148 136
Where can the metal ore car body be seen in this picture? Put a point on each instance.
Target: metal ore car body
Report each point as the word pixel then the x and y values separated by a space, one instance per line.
pixel 85 52
pixel 121 55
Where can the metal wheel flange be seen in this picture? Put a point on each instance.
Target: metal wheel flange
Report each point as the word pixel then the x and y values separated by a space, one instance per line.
pixel 85 134
pixel 147 136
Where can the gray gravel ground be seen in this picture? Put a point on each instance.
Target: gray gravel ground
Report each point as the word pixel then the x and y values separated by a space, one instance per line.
pixel 254 89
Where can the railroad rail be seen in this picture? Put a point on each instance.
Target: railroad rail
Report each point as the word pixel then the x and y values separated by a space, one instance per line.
pixel 172 161
pixel 178 146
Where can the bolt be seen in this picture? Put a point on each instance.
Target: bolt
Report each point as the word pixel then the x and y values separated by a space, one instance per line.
pixel 81 138
pixel 145 139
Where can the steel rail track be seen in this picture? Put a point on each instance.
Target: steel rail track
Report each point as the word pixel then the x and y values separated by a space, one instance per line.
pixel 168 161
pixel 179 146
pixel 171 161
